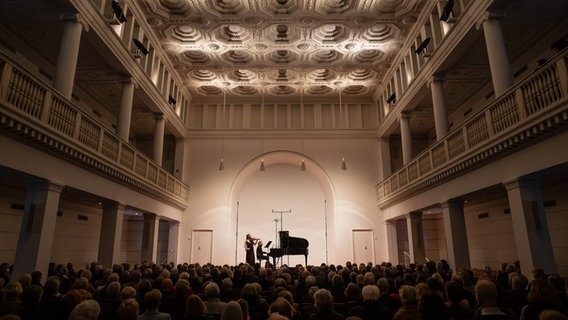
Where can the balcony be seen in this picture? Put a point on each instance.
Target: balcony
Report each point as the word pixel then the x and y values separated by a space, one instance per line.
pixel 534 108
pixel 32 110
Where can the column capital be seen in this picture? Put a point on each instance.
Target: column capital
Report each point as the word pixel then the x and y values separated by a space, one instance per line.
pixel 452 203
pixel 158 116
pixel 488 16
pixel 74 17
pixel 414 215
pixel 523 182
pixel 151 216
pixel 46 184
pixel 128 80
pixel 405 114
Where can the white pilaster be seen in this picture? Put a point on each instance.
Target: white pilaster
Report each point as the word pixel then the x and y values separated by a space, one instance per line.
pixel 416 237
pixel 111 233
pixel 151 227
pixel 456 234
pixel 392 242
pixel 173 241
pixel 530 226
pixel 37 228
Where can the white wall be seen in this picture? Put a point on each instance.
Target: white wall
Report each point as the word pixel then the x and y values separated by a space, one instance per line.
pixel 349 195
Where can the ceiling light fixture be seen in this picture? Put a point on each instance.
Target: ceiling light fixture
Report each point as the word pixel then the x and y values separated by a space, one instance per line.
pixel 343 164
pixel 221 163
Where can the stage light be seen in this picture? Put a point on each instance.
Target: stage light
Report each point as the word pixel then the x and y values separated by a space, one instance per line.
pixel 141 46
pixel 392 98
pixel 423 46
pixel 118 12
pixel 448 9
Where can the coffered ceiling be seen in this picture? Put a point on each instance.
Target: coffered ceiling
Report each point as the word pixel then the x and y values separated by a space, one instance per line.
pixel 282 47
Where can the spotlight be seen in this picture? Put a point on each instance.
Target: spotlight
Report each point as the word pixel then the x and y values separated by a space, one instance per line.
pixel 343 164
pixel 118 12
pixel 448 9
pixel 392 98
pixel 423 46
pixel 262 167
pixel 303 165
pixel 171 100
pixel 141 46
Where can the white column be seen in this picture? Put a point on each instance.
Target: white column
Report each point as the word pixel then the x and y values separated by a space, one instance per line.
pixel 456 234
pixel 159 138
pixel 173 241
pixel 179 161
pixel 125 112
pixel 392 242
pixel 385 156
pixel 532 238
pixel 37 228
pixel 439 107
pixel 406 137
pixel 68 54
pixel 416 237
pixel 151 227
pixel 497 52
pixel 111 233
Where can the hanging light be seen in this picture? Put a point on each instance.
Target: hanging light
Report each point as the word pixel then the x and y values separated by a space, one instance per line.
pixel 262 168
pixel 343 164
pixel 221 164
pixel 303 165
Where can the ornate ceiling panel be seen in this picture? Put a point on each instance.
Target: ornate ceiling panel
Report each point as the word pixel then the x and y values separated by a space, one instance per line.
pixel 282 47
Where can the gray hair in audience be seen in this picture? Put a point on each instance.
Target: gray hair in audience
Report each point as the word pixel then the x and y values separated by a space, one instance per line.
pixel 370 292
pixel 86 310
pixel 232 311
pixel 323 300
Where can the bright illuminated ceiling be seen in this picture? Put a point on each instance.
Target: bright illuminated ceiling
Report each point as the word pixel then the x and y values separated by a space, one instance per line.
pixel 282 47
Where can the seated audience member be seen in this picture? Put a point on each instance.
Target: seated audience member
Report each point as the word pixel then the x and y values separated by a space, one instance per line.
pixel 212 301
pixel 175 304
pixel 244 308
pixel 517 295
pixel 323 301
pixel 486 296
pixel 12 303
pixel 371 308
pixel 128 310
pixel 409 299
pixel 552 315
pixel 541 296
pixel 385 299
pixel 152 300
pixel 282 307
pixel 459 305
pixel 232 311
pixel 196 309
pixel 258 306
pixel 431 306
pixel 85 310
pixel 30 302
pixel 111 302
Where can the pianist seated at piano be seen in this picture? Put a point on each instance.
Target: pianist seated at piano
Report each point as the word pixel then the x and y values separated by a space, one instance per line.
pixel 260 254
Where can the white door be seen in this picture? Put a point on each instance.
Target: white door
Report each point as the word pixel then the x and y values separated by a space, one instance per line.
pixel 363 248
pixel 202 246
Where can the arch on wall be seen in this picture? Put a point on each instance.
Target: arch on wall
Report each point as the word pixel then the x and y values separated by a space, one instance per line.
pixel 290 158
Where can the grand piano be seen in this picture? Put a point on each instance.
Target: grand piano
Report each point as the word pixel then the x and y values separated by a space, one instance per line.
pixel 289 246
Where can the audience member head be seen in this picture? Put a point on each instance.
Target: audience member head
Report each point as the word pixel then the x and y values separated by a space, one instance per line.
pixel 85 310
pixel 194 307
pixel 153 298
pixel 282 306
pixel 323 300
pixel 486 293
pixel 551 315
pixel 541 294
pixel 370 292
pixel 431 306
pixel 128 309
pixel 232 311
pixel 352 292
pixel 127 292
pixel 244 307
pixel 51 286
pixel 211 290
pixel 408 295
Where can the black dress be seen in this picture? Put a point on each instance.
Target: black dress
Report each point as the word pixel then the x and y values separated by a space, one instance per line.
pixel 249 246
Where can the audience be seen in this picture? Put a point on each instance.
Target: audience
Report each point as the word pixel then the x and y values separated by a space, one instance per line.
pixel 350 291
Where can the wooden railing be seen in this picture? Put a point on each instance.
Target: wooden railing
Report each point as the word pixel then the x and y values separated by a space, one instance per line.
pixel 531 108
pixel 33 109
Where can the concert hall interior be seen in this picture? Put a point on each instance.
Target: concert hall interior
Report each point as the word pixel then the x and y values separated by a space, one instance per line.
pixel 366 131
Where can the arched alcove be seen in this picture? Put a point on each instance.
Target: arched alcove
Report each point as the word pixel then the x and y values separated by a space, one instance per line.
pixel 258 198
